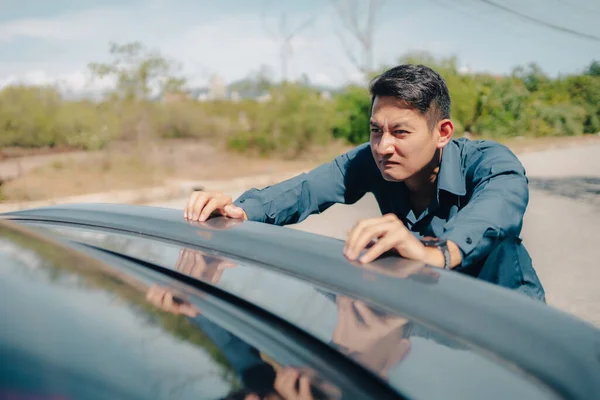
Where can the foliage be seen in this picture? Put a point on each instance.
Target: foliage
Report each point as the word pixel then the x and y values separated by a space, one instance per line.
pixel 524 103
pixel 149 101
pixel 38 117
pixel 296 118
pixel 138 72
pixel 353 106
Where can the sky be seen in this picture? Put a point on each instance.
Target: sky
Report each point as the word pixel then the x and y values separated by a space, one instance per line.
pixel 44 41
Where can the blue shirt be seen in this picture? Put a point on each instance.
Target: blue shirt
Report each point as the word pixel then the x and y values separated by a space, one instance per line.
pixel 482 194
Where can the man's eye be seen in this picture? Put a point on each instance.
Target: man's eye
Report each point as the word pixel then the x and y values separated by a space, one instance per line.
pixel 375 130
pixel 400 132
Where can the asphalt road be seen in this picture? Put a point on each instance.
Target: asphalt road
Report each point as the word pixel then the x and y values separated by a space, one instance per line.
pixel 560 228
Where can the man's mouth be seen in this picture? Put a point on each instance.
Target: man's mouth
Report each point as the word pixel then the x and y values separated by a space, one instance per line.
pixel 389 162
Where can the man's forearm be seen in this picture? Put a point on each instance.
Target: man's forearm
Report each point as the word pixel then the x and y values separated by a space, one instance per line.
pixel 343 180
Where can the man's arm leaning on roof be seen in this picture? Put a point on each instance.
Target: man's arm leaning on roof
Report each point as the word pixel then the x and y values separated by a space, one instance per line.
pixel 343 180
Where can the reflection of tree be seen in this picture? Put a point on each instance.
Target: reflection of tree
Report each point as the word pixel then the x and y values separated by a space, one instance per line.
pixel 61 264
pixel 116 242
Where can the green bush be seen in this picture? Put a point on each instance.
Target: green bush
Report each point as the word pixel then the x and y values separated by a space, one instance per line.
pixel 526 102
pixel 38 117
pixel 353 107
pixel 295 119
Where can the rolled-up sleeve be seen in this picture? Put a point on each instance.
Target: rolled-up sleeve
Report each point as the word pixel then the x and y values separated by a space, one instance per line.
pixel 343 180
pixel 495 208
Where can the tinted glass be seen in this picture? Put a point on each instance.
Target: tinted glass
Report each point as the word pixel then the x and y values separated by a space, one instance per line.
pixel 72 329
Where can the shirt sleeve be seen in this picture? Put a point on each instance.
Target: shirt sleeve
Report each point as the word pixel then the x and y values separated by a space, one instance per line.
pixel 495 209
pixel 343 180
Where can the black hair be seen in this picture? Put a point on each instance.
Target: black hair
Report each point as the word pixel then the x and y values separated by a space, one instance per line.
pixel 419 86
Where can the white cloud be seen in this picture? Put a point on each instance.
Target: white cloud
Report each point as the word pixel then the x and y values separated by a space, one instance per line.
pixel 76 26
pixel 70 82
pixel 232 44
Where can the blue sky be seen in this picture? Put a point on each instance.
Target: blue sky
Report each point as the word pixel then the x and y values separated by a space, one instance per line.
pixel 42 41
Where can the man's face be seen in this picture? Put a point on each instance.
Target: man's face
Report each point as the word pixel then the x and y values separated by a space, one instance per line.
pixel 401 141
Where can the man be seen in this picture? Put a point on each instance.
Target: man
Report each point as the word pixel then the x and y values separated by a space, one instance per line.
pixel 451 203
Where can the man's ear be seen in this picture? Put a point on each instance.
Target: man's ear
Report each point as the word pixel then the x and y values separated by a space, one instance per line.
pixel 446 129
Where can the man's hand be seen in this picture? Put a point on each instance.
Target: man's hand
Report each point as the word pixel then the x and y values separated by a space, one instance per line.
pixel 202 267
pixel 201 205
pixel 285 384
pixel 388 233
pixel 167 301
pixel 379 342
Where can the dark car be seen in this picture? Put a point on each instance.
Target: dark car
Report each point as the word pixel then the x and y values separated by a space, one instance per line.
pixel 134 302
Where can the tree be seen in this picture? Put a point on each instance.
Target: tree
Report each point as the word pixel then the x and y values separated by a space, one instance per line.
pixel 138 72
pixel 594 69
pixel 284 38
pixel 349 12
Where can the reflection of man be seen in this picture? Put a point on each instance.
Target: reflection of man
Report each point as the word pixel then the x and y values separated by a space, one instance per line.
pixel 260 379
pixel 201 266
pixel 469 195
pixel 376 341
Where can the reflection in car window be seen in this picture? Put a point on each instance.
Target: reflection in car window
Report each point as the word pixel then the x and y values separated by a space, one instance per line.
pixel 417 360
pixel 122 338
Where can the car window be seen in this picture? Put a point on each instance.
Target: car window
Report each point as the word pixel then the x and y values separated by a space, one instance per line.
pixel 73 330
pixel 417 360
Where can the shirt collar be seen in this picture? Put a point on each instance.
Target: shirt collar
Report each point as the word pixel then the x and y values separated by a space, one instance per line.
pixel 451 177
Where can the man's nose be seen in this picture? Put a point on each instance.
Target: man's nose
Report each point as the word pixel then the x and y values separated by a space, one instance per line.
pixel 386 144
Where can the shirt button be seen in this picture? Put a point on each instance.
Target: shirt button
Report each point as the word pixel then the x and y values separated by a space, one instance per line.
pixel 241 201
pixel 469 240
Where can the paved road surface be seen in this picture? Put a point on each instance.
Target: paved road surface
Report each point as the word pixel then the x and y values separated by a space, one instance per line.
pixel 560 229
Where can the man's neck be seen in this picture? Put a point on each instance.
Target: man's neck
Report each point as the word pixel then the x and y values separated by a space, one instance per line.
pixel 422 186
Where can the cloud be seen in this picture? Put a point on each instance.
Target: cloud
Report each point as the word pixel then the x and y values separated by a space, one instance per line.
pixel 209 38
pixel 75 26
pixel 230 44
pixel 77 81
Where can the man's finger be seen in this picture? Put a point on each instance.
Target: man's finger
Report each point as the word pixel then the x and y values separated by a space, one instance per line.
pixel 167 301
pixel 384 244
pixel 365 313
pixel 214 204
pixel 233 211
pixel 369 233
pixel 285 382
pixel 305 387
pixel 154 294
pixel 198 206
pixel 187 212
pixel 358 229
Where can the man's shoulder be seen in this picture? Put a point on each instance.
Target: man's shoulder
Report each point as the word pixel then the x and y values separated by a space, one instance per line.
pixel 481 146
pixel 359 154
pixel 484 151
pixel 482 159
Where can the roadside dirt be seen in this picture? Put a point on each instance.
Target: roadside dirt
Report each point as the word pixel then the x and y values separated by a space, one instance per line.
pixel 43 174
pixel 40 177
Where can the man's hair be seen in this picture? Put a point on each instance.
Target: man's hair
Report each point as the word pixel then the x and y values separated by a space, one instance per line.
pixel 418 86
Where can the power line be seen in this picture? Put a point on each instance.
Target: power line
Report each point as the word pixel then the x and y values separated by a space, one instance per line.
pixel 540 22
pixel 578 6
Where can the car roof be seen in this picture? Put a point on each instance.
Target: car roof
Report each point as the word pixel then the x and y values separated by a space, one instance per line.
pixel 319 310
pixel 508 326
